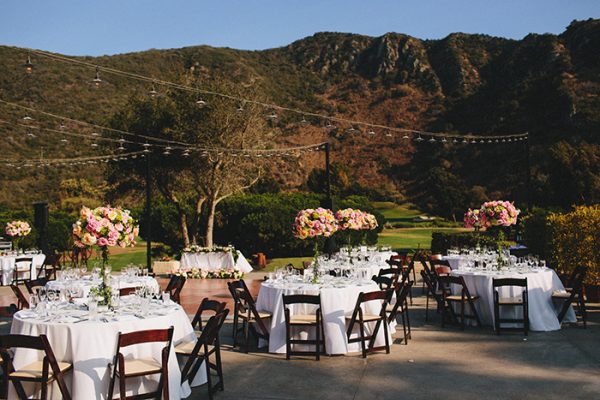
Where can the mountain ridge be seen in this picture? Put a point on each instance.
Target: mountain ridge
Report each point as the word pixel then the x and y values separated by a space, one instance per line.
pixel 545 84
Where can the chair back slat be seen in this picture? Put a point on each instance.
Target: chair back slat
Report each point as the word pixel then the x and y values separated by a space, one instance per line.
pixel 301 298
pixel 39 282
pixel 147 336
pixel 498 282
pixel 384 282
pixel 207 305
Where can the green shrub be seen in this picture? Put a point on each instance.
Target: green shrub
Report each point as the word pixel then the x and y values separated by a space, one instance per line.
pixel 575 240
pixel 441 241
pixel 536 232
pixel 263 222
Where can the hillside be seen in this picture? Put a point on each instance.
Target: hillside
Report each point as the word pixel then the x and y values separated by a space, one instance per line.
pixel 546 85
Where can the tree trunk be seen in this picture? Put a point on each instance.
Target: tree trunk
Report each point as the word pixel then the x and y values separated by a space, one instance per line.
pixel 183 226
pixel 210 221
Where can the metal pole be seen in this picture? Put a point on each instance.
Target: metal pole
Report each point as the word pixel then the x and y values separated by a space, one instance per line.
pixel 147 212
pixel 329 200
pixel 528 172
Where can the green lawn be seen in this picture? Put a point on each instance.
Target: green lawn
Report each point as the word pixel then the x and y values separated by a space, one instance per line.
pixel 411 238
pixel 397 212
pixel 131 255
pixel 406 238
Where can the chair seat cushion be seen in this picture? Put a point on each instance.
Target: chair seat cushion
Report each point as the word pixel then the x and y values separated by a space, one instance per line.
pixel 562 295
pixel 366 317
pixel 34 370
pixel 142 366
pixel 188 347
pixel 23 268
pixel 261 314
pixel 459 298
pixel 510 300
pixel 303 319
pixel 390 308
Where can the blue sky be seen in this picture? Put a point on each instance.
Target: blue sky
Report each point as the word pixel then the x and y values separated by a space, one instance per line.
pixel 85 27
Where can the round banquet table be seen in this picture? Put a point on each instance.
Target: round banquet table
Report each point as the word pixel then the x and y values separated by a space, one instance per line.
pixel 86 283
pixel 91 345
pixel 214 261
pixel 7 266
pixel 540 284
pixel 337 300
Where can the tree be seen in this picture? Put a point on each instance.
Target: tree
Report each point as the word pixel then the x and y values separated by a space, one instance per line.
pixel 218 164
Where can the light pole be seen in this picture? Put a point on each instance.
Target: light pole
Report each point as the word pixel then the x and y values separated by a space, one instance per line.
pixel 147 212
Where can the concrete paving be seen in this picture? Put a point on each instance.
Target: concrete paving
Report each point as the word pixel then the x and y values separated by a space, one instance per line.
pixel 437 363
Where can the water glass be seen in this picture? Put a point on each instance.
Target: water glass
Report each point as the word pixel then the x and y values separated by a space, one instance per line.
pixel 93 308
pixel 166 297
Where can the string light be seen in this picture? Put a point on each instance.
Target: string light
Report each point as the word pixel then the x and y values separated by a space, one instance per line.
pixel 405 137
pixel 28 66
pixel 201 103
pixel 419 139
pixel 97 81
pixel 153 93
pixel 371 132
pixel 273 107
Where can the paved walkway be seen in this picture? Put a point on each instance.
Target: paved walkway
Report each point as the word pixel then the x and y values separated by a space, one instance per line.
pixel 437 364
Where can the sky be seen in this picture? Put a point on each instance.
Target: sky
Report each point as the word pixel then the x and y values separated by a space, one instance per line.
pixel 85 27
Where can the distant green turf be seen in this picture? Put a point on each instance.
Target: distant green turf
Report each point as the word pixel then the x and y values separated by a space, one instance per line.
pixel 397 212
pixel 136 255
pixel 410 238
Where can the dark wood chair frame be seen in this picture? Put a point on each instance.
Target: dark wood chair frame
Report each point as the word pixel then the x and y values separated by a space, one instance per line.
pixel 18 260
pixel 446 283
pixel 358 318
pixel 38 282
pixel 117 366
pixel 175 286
pixel 402 289
pixel 202 351
pixel 22 301
pixel 319 341
pixel 576 296
pixel 524 304
pixel 384 282
pixel 430 282
pixel 52 263
pixel 234 287
pixel 49 365
pixel 245 309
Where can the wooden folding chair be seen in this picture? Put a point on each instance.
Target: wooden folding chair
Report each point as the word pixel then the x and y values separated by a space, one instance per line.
pixel 23 270
pixel 303 320
pixel 361 318
pixel 521 301
pixel 175 286
pixel 446 282
pixel 400 307
pixel 22 301
pixel 126 368
pixel 35 283
pixel 201 350
pixel 574 296
pixel 44 372
pixel 251 319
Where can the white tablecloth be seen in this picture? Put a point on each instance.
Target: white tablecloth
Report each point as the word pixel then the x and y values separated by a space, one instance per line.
pixel 335 304
pixel 87 284
pixel 8 265
pixel 540 283
pixel 214 261
pixel 90 346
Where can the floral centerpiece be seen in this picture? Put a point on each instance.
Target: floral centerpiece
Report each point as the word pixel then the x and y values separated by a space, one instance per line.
pixel 500 213
pixel 355 220
pixel 315 223
pixel 474 219
pixel 104 227
pixel 16 230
